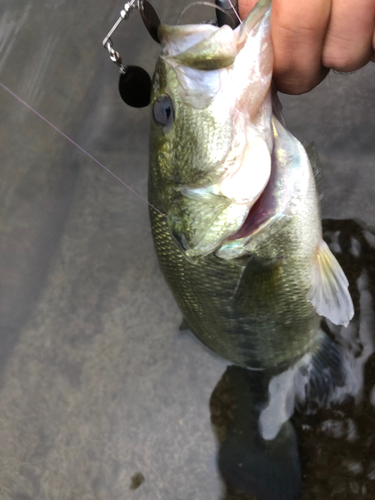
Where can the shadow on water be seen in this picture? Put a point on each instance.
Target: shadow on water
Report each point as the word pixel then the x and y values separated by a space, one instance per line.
pixel 331 447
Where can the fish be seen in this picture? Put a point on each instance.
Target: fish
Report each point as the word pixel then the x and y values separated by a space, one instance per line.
pixel 239 240
pixel 239 237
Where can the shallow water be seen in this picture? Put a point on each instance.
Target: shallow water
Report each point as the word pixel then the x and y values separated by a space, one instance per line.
pixel 101 397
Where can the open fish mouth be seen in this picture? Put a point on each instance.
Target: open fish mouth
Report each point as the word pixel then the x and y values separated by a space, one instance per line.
pixel 254 216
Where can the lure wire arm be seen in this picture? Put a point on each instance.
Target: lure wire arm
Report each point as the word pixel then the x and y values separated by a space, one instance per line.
pixel 107 42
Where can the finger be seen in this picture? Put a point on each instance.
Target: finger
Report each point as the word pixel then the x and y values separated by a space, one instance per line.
pixel 348 42
pixel 298 32
pixel 245 6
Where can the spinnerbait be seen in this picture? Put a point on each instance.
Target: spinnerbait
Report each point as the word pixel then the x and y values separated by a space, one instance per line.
pixel 135 82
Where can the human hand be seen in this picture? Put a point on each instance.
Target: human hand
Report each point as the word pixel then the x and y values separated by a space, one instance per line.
pixel 313 36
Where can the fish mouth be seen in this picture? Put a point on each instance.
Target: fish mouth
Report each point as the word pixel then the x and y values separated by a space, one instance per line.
pixel 248 224
pixel 286 174
pixel 260 213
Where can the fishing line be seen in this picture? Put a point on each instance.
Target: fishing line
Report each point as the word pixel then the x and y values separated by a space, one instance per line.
pixel 209 4
pixel 235 11
pixel 78 146
pixel 199 2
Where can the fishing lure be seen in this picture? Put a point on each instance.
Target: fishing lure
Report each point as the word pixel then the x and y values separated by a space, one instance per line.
pixel 134 82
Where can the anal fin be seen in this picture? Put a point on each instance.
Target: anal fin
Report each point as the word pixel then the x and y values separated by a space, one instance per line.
pixel 329 292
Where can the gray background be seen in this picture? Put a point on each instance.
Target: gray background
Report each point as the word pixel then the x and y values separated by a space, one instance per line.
pixel 96 383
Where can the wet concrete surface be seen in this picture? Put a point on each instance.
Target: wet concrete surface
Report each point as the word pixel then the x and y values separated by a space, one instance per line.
pixel 101 397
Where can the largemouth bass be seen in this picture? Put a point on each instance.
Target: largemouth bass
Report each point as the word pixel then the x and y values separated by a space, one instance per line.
pixel 240 244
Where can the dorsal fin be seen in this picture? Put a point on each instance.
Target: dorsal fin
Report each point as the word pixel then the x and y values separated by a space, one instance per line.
pixel 316 165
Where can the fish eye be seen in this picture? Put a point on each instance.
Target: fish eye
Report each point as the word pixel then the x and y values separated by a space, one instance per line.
pixel 163 110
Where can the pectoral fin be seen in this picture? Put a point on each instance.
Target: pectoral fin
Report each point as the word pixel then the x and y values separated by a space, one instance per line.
pixel 258 282
pixel 329 290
